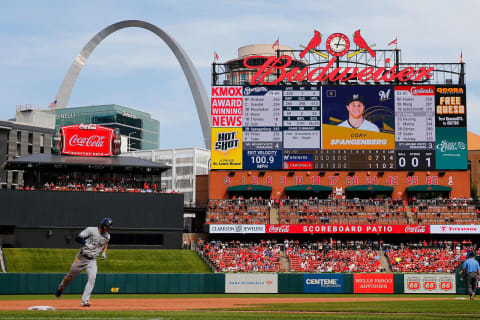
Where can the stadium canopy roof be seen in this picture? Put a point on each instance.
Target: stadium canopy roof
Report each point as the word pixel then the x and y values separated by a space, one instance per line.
pixel 249 187
pixel 428 187
pixel 308 188
pixel 370 188
pixel 54 162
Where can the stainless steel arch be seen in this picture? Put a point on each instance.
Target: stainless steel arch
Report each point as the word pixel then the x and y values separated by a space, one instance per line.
pixel 196 87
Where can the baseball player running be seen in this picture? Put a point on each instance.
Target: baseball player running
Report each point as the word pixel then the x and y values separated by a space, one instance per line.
pixel 94 240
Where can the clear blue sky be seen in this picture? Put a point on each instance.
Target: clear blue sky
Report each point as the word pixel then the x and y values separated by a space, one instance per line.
pixel 134 68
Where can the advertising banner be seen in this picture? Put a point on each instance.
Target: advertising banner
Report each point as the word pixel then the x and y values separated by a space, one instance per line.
pixel 237 228
pixel 227 106
pixel 346 229
pixel 450 110
pixel 451 148
pixel 323 283
pixel 87 140
pixel 429 283
pixel 358 117
pixel 455 229
pixel 372 283
pixel 251 283
pixel 226 148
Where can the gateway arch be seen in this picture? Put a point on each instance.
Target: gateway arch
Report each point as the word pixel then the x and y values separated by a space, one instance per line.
pixel 199 94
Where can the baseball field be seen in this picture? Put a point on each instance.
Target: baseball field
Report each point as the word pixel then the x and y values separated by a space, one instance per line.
pixel 209 306
pixel 234 306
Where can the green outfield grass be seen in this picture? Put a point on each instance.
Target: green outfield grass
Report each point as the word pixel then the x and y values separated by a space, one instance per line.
pixel 440 309
pixel 118 261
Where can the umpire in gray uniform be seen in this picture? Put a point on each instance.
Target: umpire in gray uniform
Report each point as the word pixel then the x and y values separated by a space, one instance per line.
pixel 471 269
pixel 94 241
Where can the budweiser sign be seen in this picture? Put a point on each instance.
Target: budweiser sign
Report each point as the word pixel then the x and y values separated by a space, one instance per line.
pixel 281 68
pixel 87 140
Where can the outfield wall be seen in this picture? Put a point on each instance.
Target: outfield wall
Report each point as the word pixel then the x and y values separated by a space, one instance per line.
pixel 133 283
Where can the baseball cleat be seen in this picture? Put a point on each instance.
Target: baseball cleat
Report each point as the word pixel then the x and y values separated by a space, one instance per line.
pixel 58 293
pixel 86 304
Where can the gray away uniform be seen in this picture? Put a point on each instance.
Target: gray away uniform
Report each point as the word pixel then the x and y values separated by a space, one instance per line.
pixel 86 259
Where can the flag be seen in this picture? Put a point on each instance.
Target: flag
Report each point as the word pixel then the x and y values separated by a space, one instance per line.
pixel 53 104
pixel 393 42
pixel 277 43
pixel 461 56
pixel 215 56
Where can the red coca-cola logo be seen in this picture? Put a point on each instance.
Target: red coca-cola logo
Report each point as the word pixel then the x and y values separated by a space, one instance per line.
pixel 415 229
pixel 87 140
pixel 279 229
pixel 92 141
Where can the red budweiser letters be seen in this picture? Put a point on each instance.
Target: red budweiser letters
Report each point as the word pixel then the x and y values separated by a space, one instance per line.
pixel 87 140
pixel 280 67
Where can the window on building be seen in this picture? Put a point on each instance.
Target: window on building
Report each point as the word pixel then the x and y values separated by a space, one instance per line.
pixel 42 140
pixel 243 78
pixel 19 136
pixel 19 150
pixel 15 177
pixel 30 137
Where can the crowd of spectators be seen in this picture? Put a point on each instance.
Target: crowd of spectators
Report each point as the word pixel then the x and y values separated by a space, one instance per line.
pixel 239 257
pixel 445 211
pixel 335 256
pixel 354 211
pixel 238 211
pixel 97 186
pixel 426 257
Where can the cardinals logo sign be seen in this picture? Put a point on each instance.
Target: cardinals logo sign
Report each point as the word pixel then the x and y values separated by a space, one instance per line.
pixel 338 45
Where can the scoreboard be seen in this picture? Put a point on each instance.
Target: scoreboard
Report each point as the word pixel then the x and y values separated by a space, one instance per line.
pixel 399 127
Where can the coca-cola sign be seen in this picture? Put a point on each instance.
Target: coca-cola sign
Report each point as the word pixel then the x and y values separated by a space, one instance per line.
pixel 87 140
pixel 416 229
pixel 279 229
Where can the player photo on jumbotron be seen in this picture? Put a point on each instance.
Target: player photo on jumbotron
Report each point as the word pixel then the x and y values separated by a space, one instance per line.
pixel 358 117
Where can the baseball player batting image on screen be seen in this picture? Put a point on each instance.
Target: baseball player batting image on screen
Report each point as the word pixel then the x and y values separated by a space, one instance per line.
pixel 94 241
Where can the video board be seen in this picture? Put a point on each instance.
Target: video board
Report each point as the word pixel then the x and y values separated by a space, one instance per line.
pixel 339 127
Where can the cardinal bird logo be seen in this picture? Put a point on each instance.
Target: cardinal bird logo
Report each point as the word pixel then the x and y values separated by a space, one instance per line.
pixel 361 43
pixel 316 40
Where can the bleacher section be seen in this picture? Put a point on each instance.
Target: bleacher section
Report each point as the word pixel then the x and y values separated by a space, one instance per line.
pixel 427 258
pixel 336 256
pixel 236 257
pixel 353 212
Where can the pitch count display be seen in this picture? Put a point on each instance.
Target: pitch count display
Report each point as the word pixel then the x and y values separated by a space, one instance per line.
pixel 339 127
